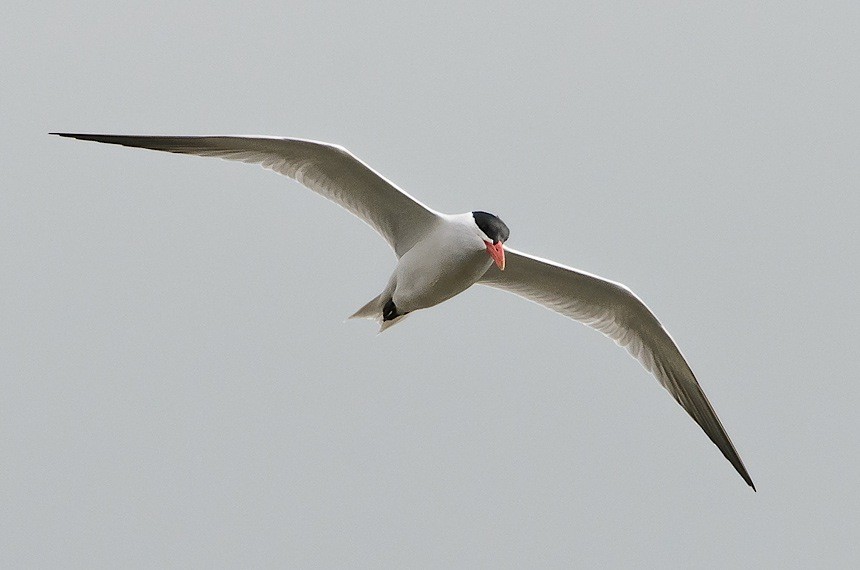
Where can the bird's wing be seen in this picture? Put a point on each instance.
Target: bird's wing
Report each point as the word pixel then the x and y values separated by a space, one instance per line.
pixel 614 310
pixel 329 170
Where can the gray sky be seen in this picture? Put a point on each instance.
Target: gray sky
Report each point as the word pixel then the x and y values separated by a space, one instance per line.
pixel 179 388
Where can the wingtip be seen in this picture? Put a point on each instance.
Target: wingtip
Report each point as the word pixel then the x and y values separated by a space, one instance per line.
pixel 742 471
pixel 748 480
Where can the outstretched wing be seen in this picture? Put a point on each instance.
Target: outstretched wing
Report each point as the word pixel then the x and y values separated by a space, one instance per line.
pixel 614 310
pixel 329 170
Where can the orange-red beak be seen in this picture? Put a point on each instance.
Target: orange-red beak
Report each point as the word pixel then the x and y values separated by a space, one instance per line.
pixel 497 252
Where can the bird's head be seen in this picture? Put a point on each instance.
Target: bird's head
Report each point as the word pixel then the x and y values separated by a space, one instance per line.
pixel 494 233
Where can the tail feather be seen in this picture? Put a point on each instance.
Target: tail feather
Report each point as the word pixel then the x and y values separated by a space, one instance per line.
pixel 383 325
pixel 372 310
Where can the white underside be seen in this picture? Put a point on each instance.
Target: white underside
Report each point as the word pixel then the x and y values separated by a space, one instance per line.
pixel 450 259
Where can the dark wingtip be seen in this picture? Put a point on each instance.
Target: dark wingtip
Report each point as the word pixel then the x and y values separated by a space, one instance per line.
pixel 746 476
pixel 748 479
pixel 742 471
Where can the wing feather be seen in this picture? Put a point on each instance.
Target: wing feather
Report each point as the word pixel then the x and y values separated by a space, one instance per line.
pixel 615 311
pixel 329 170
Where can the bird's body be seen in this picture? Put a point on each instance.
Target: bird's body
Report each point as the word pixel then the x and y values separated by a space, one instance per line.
pixel 447 262
pixel 441 255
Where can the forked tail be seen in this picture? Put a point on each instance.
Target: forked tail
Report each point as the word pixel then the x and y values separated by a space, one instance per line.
pixel 380 309
pixel 372 310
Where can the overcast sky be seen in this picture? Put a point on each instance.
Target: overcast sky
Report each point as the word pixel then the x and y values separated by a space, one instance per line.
pixel 180 389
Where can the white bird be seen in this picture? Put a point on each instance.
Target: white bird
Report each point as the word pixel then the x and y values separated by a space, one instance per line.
pixel 441 255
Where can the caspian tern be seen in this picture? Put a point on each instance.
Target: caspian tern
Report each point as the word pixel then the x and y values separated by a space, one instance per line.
pixel 441 255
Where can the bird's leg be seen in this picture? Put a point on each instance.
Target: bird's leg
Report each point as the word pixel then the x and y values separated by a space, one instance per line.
pixel 389 311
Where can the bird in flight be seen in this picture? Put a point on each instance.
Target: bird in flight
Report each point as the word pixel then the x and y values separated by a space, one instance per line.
pixel 441 255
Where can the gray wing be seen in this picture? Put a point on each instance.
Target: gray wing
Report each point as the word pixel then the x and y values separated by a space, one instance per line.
pixel 614 310
pixel 329 170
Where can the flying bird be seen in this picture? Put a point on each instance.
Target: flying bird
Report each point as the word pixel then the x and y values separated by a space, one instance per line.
pixel 441 255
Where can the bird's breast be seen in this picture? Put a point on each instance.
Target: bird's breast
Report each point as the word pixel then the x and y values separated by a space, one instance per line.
pixel 438 268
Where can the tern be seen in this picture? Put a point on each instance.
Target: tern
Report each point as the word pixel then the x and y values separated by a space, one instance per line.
pixel 441 255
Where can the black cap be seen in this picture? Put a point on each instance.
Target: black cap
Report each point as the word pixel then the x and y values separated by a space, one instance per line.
pixel 492 226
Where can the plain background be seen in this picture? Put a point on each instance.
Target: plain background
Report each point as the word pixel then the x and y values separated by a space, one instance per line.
pixel 179 388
